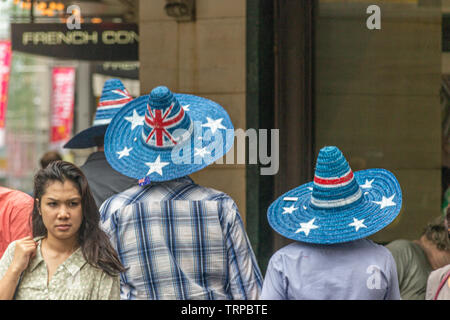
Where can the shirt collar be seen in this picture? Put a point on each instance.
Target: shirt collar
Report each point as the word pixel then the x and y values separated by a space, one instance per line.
pixel 97 155
pixel 73 263
pixel 38 258
pixel 185 179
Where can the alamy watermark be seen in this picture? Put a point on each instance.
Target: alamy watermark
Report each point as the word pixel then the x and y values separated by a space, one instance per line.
pixel 263 147
pixel 374 280
pixel 374 20
pixel 74 20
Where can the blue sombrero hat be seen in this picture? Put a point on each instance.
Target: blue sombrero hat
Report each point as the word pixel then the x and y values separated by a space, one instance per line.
pixel 163 136
pixel 339 205
pixel 114 96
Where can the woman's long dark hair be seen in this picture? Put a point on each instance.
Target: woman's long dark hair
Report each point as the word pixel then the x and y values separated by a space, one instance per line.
pixel 94 242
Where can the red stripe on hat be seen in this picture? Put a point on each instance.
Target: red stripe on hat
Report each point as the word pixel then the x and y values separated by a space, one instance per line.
pixel 346 178
pixel 113 102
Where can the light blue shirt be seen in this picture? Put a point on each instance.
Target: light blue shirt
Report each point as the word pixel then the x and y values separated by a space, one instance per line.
pixel 356 270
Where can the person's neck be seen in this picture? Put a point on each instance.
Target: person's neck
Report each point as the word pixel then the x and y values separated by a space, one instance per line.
pixel 437 258
pixel 61 247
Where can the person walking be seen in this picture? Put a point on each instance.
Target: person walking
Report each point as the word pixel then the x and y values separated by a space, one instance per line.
pixel 179 240
pixel 438 283
pixel 69 257
pixel 103 180
pixel 416 259
pixel 330 220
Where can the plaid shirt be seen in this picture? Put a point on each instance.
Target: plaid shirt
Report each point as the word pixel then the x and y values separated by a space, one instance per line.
pixel 180 241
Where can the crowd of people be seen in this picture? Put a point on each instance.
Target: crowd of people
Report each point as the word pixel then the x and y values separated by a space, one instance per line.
pixel 131 224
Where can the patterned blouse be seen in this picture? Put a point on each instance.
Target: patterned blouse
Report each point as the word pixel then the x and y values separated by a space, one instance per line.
pixel 74 279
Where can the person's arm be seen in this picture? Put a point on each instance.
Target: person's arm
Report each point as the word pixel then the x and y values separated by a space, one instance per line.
pixel 401 255
pixel 13 263
pixel 245 279
pixel 274 287
pixel 393 290
pixel 108 224
pixel 19 226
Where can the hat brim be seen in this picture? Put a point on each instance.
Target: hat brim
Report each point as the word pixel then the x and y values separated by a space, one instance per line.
pixel 85 139
pixel 338 226
pixel 120 135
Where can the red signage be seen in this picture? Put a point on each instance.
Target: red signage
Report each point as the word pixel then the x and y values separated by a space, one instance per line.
pixel 63 99
pixel 5 63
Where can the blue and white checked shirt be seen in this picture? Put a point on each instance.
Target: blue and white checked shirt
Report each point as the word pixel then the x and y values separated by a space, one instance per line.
pixel 180 241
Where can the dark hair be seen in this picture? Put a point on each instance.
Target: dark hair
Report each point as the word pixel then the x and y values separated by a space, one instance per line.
pixel 94 242
pixel 447 220
pixel 99 140
pixel 49 157
pixel 437 233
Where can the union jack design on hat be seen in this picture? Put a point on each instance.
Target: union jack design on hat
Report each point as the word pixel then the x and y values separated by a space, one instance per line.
pixel 339 205
pixel 164 115
pixel 114 97
pixel 170 125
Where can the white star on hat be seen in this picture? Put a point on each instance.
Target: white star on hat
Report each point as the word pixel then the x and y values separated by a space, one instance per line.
pixel 156 166
pixel 201 152
pixel 306 227
pixel 289 209
pixel 214 124
pixel 124 153
pixel 186 107
pixel 367 184
pixel 136 120
pixel 386 202
pixel 357 224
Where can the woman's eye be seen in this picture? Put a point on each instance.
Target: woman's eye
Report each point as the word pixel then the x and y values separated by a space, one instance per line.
pixel 74 204
pixel 51 204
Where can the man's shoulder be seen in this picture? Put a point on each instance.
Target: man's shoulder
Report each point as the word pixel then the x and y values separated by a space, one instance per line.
pixel 206 193
pixel 94 162
pixel 400 243
pixel 122 199
pixel 16 197
pixel 402 247
pixel 165 192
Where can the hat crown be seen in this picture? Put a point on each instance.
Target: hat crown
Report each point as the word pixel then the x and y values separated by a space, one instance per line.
pixel 334 184
pixel 110 85
pixel 114 96
pixel 166 123
pixel 161 98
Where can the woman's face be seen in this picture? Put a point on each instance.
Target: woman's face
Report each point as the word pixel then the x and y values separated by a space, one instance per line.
pixel 60 208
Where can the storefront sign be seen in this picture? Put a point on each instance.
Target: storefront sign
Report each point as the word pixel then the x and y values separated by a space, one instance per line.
pixel 5 63
pixel 63 96
pixel 95 42
pixel 119 69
